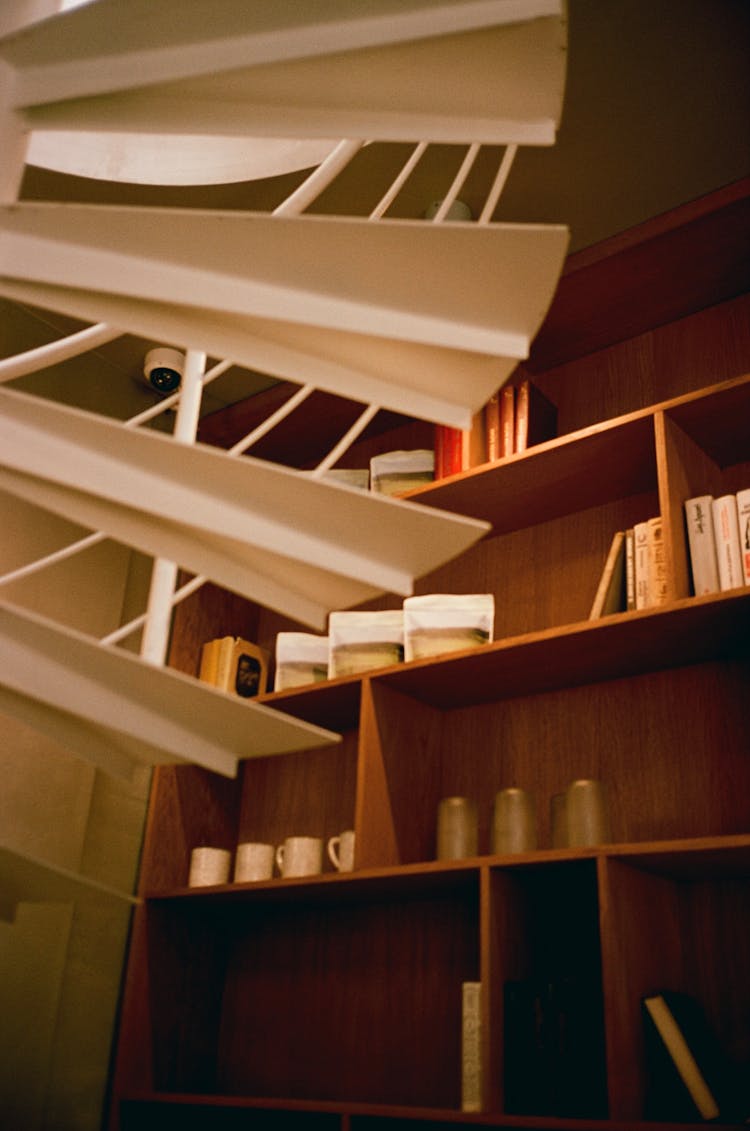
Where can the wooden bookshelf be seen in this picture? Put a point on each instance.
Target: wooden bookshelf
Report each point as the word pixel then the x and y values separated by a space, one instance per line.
pixel 333 1003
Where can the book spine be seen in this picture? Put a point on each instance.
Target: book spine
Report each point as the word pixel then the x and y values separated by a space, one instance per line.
pixel 492 426
pixel 701 544
pixel 641 558
pixel 521 435
pixel 629 568
pixel 452 450
pixel 684 1061
pixel 471 1046
pixel 743 519
pixel 657 565
pixel 207 669
pixel 507 421
pixel 727 533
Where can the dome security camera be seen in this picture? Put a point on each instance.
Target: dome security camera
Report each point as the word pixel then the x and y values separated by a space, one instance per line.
pixel 163 369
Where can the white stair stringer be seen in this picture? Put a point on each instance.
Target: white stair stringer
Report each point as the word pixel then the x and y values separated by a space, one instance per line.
pixel 491 71
pixel 424 319
pixel 110 706
pixel 300 545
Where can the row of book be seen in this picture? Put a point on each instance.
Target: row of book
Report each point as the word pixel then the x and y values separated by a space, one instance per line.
pixel 635 573
pixel 718 531
pixel 554 1063
pixel 515 418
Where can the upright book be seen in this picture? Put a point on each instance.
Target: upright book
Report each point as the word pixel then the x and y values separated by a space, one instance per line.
pixel 471 1046
pixel 536 417
pixel 743 517
pixel 727 534
pixel 701 544
pixel 235 665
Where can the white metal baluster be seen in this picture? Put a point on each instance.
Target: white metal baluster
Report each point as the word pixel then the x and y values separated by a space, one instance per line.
pixel 388 198
pixel 319 179
pixel 335 453
pixel 54 352
pixel 499 184
pixel 164 575
pixel 458 180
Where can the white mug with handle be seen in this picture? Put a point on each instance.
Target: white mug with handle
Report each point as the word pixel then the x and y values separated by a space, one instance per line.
pixel 341 851
pixel 300 856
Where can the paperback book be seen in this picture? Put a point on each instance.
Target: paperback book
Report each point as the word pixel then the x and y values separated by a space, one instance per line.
pixel 689 1074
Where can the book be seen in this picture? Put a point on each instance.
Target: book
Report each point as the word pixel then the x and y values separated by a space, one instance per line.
pixel 492 426
pixel 610 594
pixel 474 442
pixel 535 417
pixel 689 1073
pixel 553 1045
pixel 743 521
pixel 234 665
pixel 701 544
pixel 657 565
pixel 641 564
pixel 471 1046
pixel 629 568
pixel 727 535
pixel 507 420
pixel 448 444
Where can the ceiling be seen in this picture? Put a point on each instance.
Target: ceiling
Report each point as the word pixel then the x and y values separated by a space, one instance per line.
pixel 657 112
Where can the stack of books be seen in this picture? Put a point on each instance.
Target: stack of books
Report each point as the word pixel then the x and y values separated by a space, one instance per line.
pixel 515 418
pixel 718 532
pixel 635 572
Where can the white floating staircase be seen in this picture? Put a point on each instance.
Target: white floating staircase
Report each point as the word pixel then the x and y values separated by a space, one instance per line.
pixel 424 318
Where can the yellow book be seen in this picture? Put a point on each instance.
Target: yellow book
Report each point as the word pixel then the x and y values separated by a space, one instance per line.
pixel 235 665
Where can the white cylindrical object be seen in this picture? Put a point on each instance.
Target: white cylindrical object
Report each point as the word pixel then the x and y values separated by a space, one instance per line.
pixel 209 866
pixel 253 861
pixel 300 856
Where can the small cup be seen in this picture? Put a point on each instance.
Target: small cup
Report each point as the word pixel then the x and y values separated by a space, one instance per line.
pixel 209 866
pixel 300 856
pixel 587 813
pixel 341 851
pixel 456 828
pixel 514 821
pixel 253 861
pixel 558 819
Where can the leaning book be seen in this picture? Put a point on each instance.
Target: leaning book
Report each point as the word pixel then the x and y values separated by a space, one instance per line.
pixel 689 1074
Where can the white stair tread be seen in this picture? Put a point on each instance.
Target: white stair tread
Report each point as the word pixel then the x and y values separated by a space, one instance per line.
pixel 354 307
pixel 300 545
pixel 107 697
pixel 121 45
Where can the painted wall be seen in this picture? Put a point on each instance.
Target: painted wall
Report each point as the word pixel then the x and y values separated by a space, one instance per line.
pixel 60 963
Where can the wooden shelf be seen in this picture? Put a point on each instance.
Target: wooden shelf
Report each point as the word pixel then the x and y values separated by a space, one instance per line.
pixel 653 703
pixel 691 631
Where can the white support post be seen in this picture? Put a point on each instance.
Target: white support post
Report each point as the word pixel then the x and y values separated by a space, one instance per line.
pixel 164 575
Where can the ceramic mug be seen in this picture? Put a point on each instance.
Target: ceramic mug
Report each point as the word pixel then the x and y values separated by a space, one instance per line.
pixel 300 856
pixel 341 851
pixel 253 861
pixel 209 866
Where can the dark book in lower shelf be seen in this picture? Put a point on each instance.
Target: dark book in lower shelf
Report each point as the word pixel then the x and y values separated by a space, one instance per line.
pixel 554 1061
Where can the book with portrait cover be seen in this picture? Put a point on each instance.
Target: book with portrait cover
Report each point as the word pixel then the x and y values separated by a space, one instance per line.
pixel 235 665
